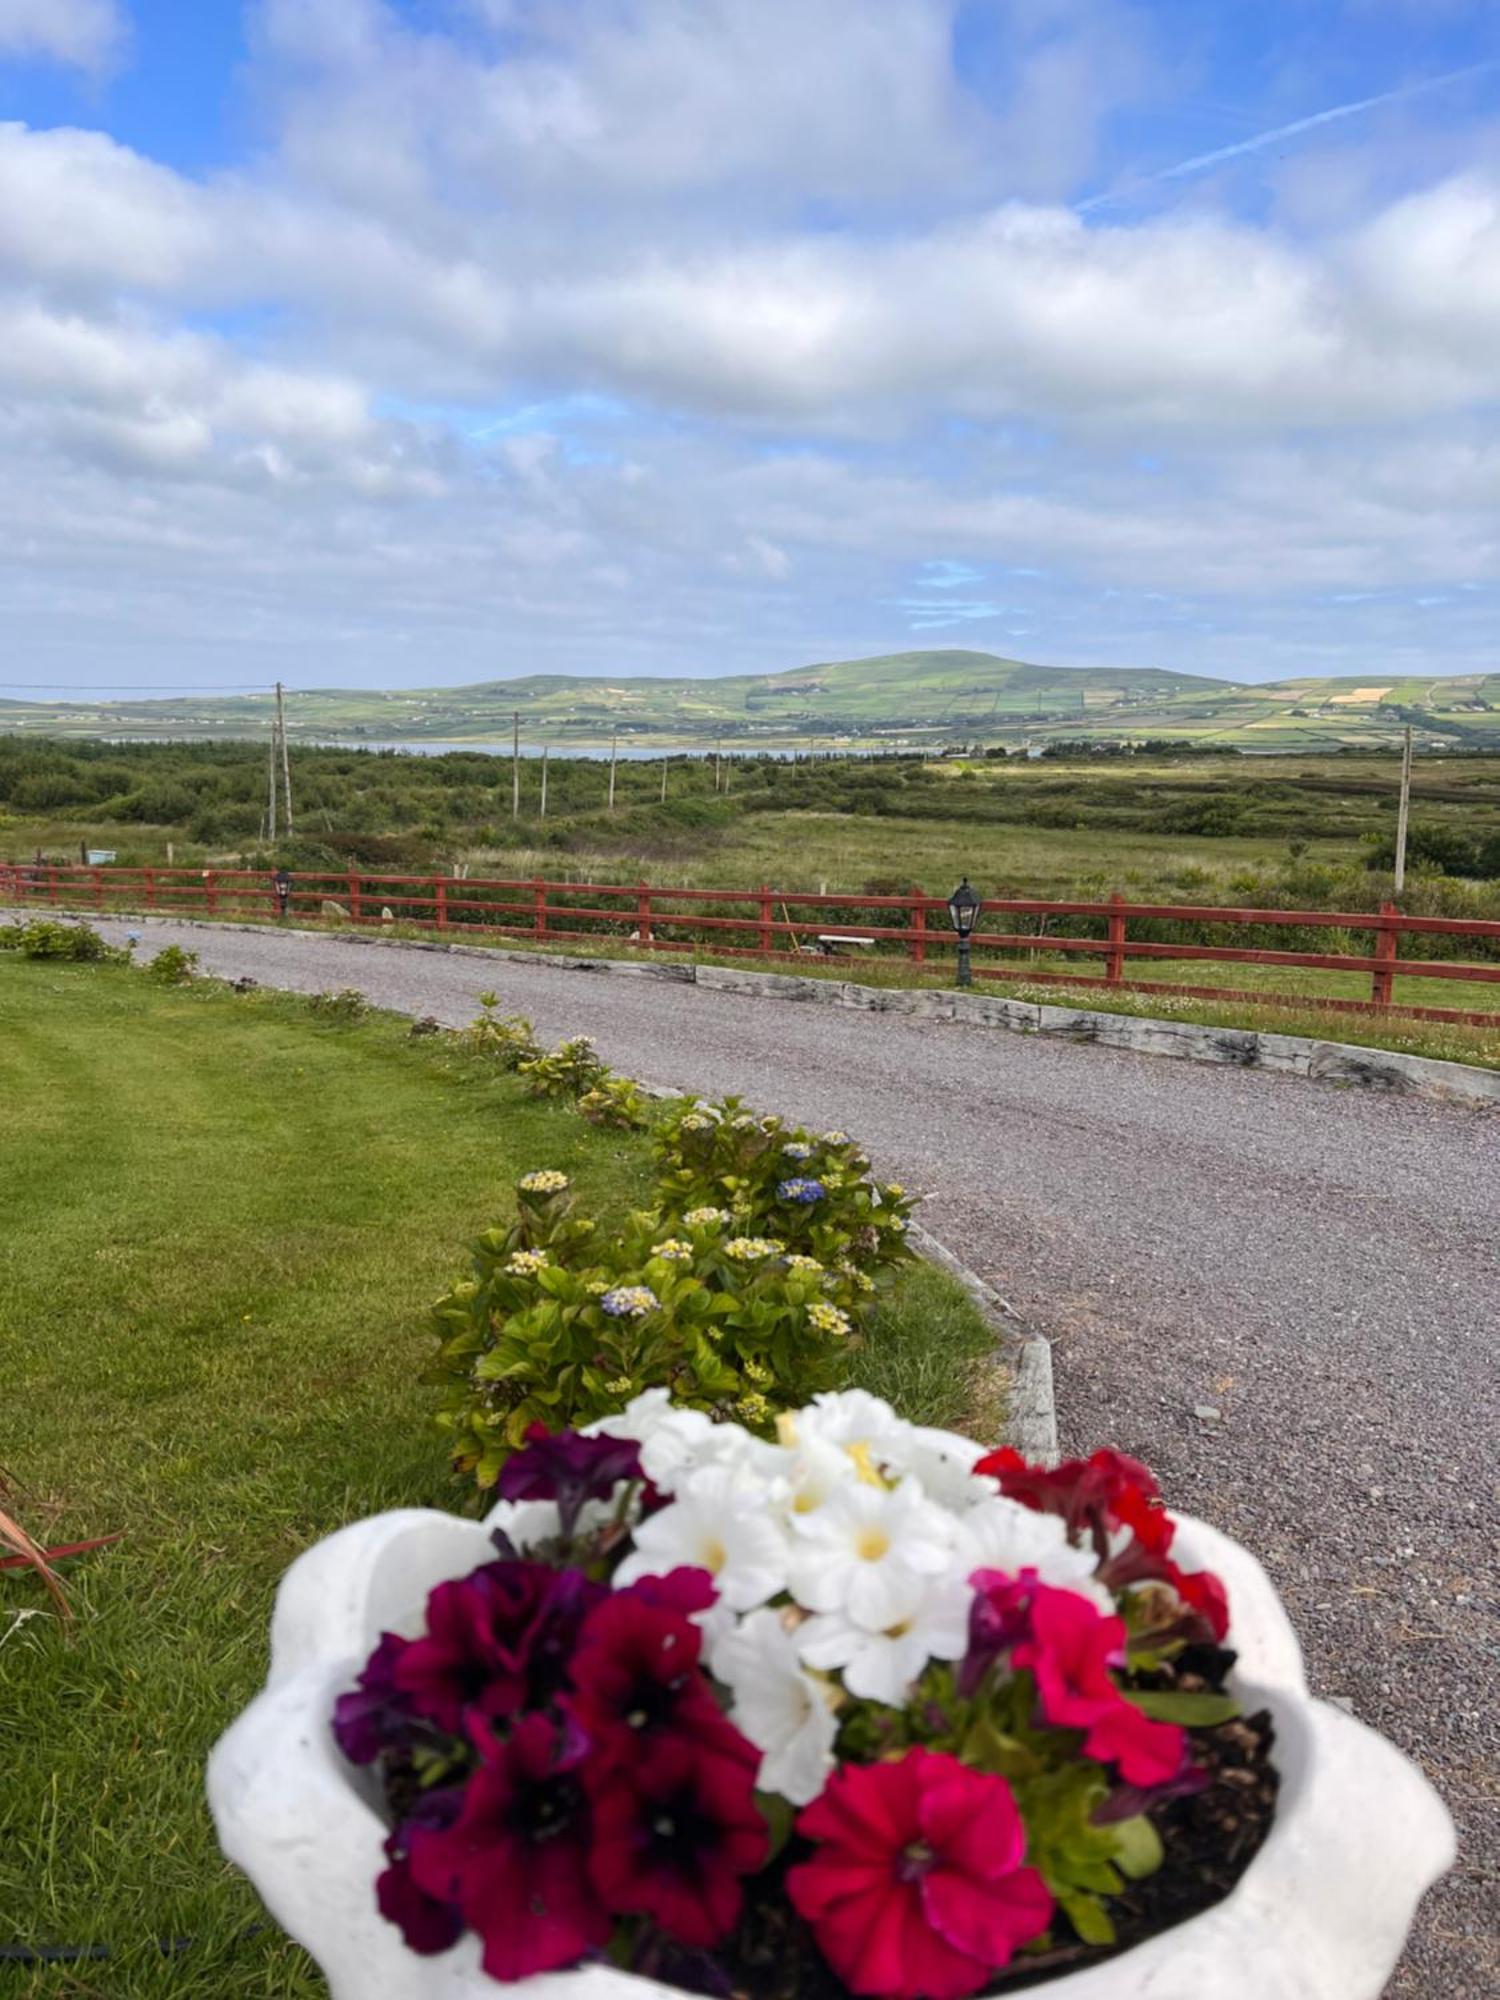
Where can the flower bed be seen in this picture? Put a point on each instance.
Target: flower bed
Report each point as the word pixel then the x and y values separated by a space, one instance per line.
pixel 861 1710
pixel 741 1292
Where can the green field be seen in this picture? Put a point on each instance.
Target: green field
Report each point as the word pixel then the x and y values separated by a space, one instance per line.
pixel 224 1222
pixel 922 698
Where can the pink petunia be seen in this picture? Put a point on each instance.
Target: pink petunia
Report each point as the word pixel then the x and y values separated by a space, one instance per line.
pixel 918 1889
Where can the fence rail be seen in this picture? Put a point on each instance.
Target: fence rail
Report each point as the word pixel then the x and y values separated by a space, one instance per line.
pixel 651 918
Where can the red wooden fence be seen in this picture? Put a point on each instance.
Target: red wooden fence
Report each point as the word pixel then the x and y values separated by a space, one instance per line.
pixel 662 919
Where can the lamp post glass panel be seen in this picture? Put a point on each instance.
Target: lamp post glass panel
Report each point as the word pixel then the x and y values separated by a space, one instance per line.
pixel 963 909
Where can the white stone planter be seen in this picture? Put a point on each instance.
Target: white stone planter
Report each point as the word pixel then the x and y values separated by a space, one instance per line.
pixel 1321 1914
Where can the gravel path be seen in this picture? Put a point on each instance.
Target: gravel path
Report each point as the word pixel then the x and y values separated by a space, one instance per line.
pixel 1319 1266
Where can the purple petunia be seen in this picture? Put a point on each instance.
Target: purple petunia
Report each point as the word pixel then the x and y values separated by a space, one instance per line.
pixel 570 1469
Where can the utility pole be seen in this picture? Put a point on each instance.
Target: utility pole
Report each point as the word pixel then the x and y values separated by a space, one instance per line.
pixel 515 765
pixel 614 751
pixel 718 755
pixel 666 758
pixel 271 782
pixel 286 768
pixel 1401 812
pixel 543 813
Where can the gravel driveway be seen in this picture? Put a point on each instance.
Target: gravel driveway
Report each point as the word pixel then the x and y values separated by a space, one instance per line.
pixel 1319 1266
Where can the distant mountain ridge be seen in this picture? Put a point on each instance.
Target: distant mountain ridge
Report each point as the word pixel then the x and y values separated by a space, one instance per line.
pixel 915 699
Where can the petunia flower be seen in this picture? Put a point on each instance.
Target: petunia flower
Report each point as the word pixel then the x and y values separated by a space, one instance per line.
pixel 932 1623
pixel 1116 1502
pixel 515 1860
pixel 785 1711
pixel 1070 1649
pixel 375 1715
pixel 570 1469
pixel 636 1675
pixel 1001 1534
pixel 429 1924
pixel 719 1522
pixel 860 1551
pixel 674 1833
pixel 918 1888
pixel 497 1641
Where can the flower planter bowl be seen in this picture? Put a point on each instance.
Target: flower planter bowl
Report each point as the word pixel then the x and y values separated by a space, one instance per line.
pixel 1321 1913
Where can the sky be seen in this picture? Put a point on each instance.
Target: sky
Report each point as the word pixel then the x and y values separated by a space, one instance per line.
pixel 393 343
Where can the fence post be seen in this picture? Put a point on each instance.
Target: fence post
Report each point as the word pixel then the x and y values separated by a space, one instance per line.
pixel 1115 969
pixel 210 892
pixel 150 888
pixel 539 908
pixel 440 885
pixel 356 905
pixel 919 928
pixel 51 884
pixel 767 944
pixel 1382 979
pixel 98 889
pixel 643 913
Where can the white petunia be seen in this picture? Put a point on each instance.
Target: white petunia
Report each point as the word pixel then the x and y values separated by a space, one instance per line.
pixel 944 1463
pixel 720 1521
pixel 931 1624
pixel 672 1441
pixel 1002 1534
pixel 858 1552
pixel 852 1417
pixel 785 1711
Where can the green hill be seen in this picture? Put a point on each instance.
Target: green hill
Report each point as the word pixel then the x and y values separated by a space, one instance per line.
pixel 911 699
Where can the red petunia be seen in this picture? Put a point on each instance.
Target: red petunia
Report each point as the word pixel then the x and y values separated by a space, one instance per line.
pixel 1070 1651
pixel 1100 1496
pixel 636 1676
pixel 673 1835
pixel 514 1862
pixel 918 1890
pixel 497 1641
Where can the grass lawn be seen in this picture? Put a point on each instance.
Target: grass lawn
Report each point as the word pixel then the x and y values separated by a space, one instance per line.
pixel 223 1224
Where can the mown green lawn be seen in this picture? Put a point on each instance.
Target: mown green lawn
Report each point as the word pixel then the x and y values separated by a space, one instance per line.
pixel 220 1225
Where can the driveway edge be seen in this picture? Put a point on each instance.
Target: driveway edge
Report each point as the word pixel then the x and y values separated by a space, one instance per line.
pixel 1189 1041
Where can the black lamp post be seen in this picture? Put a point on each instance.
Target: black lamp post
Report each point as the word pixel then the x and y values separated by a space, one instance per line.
pixel 963 909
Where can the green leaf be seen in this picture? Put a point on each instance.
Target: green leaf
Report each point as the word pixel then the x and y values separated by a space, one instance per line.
pixel 1088 1917
pixel 780 1816
pixel 1138 1849
pixel 1193 1711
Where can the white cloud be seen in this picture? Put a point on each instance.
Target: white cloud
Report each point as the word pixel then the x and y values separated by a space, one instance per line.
pixel 88 34
pixel 835 308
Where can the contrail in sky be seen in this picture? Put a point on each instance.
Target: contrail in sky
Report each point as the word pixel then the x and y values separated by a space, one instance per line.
pixel 1200 161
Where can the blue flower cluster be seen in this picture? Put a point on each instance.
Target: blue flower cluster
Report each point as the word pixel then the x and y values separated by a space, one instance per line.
pixel 630 1301
pixel 801 1190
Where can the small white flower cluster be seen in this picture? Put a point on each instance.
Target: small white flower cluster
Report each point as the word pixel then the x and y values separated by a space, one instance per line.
pixel 744 1122
pixel 672 1250
pixel 808 1264
pixel 696 1122
pixel 526 1263
pixel 547 1180
pixel 841 1554
pixel 703 1218
pixel 835 1138
pixel 752 1249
